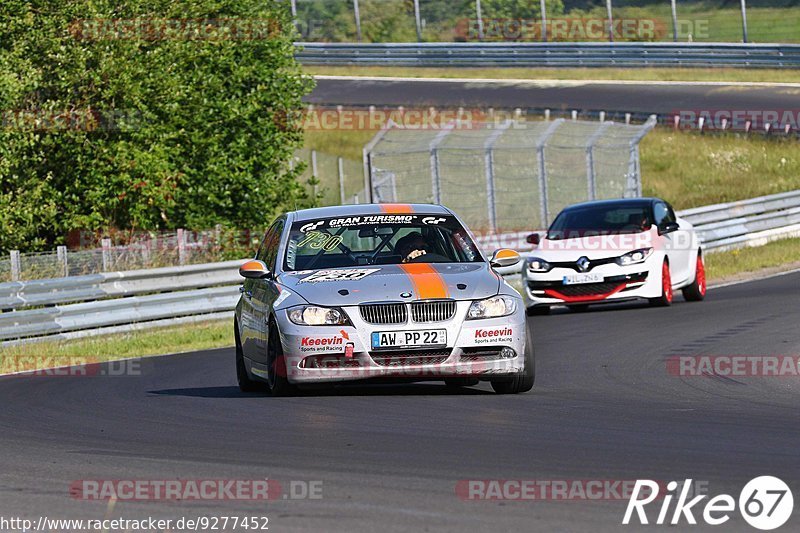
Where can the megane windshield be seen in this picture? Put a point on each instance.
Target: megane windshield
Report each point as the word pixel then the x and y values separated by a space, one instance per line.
pixel 378 240
pixel 600 220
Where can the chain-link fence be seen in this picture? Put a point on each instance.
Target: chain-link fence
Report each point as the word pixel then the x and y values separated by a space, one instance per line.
pixel 510 176
pixel 382 21
pixel 331 179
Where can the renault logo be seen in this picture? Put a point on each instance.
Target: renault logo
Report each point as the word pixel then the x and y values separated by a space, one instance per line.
pixel 583 264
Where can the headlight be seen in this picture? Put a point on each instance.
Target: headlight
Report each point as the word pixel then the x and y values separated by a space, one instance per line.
pixel 536 264
pixel 492 307
pixel 311 315
pixel 634 257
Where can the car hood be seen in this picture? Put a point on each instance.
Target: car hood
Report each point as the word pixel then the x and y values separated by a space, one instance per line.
pixel 380 283
pixel 595 247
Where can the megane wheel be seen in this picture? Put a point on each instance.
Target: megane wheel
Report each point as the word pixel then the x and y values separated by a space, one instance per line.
pixel 666 288
pixel 697 290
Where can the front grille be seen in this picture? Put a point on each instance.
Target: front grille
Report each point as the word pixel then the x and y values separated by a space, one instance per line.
pixel 588 289
pixel 421 357
pixel 437 311
pixel 384 313
pixel 481 353
pixel 329 361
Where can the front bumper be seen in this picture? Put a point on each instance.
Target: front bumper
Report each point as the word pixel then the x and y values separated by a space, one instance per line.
pixel 477 348
pixel 619 283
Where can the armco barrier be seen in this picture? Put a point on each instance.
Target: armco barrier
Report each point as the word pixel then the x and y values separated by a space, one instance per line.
pixel 702 55
pixel 118 301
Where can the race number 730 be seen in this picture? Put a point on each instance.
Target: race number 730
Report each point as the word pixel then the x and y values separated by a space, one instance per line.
pixel 316 240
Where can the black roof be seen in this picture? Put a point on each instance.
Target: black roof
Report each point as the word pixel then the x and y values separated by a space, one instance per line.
pixel 616 202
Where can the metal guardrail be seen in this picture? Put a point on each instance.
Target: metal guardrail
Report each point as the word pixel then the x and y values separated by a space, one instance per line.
pixel 120 301
pixel 82 305
pixel 24 294
pixel 751 222
pixel 552 54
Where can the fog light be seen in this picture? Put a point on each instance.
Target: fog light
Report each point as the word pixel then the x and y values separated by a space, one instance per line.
pixel 508 353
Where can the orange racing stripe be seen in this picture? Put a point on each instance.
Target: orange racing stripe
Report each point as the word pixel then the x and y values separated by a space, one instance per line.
pixel 428 284
pixel 396 209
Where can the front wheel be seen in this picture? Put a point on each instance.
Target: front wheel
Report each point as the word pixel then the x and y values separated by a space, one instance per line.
pixel 665 299
pixel 696 292
pixel 523 381
pixel 276 364
pixel 245 383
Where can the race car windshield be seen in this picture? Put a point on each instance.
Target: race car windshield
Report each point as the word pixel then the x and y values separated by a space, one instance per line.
pixel 378 240
pixel 600 220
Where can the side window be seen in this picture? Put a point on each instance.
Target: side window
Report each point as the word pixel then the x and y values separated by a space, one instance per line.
pixel 661 213
pixel 269 248
pixel 262 250
pixel 672 217
pixel 273 245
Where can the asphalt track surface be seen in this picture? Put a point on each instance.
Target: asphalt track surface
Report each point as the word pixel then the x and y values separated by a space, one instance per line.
pixel 604 407
pixel 660 98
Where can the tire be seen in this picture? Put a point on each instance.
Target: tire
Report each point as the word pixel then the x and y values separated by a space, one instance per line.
pixel 245 383
pixel 523 381
pixel 457 383
pixel 578 308
pixel 696 292
pixel 276 365
pixel 539 310
pixel 665 300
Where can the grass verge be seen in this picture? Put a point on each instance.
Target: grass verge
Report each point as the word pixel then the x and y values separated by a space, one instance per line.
pixel 774 257
pixel 173 339
pixel 611 74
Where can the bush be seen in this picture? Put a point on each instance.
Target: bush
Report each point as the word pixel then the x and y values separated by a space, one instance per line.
pixel 145 114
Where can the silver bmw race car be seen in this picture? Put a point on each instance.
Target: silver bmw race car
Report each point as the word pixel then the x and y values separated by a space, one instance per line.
pixel 378 291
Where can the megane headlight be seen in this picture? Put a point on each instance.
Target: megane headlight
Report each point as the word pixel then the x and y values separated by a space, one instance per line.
pixel 311 315
pixel 634 257
pixel 494 307
pixel 536 264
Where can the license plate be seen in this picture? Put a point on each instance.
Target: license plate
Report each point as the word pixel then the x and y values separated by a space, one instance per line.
pixel 578 279
pixel 408 339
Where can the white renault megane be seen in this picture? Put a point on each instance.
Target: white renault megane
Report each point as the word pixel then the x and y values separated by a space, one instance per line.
pixel 610 251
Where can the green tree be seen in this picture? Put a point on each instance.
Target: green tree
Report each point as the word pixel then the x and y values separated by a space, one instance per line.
pixel 145 114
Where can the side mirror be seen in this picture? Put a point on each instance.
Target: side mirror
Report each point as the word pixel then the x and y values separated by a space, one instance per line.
pixel 254 270
pixel 669 227
pixel 504 258
pixel 534 239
